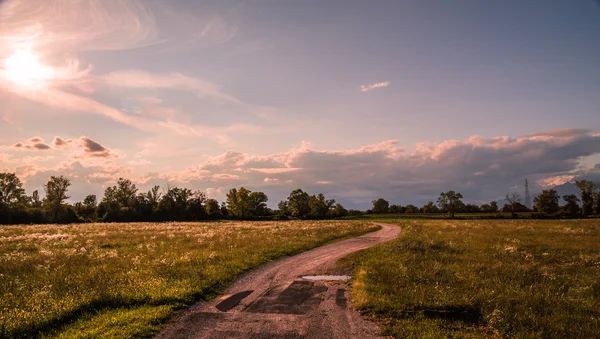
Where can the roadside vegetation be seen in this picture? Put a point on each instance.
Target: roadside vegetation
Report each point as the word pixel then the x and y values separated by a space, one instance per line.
pixel 124 280
pixel 483 278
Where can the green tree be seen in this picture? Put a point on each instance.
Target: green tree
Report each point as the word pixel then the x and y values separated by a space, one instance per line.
pixel 258 204
pixel 586 192
pixel 319 206
pixel 494 207
pixel 547 202
pixel 283 208
pixel 11 189
pixel 339 211
pixel 298 204
pixel 238 202
pixel 450 202
pixel 395 209
pixel 56 193
pixel 380 206
pixel 572 206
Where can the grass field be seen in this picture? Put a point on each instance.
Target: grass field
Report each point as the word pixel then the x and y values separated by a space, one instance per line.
pixel 484 278
pixel 124 280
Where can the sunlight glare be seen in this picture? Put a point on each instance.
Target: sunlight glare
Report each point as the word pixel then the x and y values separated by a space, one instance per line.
pixel 24 69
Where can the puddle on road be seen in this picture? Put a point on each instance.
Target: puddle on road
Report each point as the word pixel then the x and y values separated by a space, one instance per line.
pixel 327 277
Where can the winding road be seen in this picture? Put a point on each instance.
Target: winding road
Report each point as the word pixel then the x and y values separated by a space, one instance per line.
pixel 274 301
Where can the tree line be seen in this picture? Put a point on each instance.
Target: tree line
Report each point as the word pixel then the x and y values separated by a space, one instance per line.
pixel 124 202
pixel 545 204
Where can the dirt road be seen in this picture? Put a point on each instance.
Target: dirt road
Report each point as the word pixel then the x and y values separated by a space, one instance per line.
pixel 274 301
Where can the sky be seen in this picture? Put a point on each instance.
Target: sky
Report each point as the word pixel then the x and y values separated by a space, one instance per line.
pixel 353 99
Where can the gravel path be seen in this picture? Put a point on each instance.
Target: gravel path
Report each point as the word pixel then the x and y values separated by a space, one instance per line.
pixel 274 301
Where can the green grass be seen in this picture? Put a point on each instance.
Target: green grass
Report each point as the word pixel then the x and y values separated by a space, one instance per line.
pixel 125 280
pixel 484 278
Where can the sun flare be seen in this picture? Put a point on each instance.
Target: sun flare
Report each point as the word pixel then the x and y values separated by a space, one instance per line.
pixel 23 68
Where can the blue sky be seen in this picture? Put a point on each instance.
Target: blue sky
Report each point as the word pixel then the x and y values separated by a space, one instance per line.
pixel 356 99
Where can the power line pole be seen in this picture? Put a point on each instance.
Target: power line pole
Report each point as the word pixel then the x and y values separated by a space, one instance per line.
pixel 527 195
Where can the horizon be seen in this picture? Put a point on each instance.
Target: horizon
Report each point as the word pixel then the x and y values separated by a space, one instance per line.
pixel 356 101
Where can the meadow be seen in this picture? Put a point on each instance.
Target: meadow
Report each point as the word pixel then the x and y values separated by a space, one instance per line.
pixel 125 280
pixel 483 278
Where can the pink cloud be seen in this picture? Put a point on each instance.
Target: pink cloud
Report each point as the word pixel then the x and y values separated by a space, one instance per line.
pixel 143 79
pixel 366 88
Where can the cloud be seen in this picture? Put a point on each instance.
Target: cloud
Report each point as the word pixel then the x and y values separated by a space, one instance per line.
pixel 60 142
pixel 35 144
pixel 93 149
pixel 482 169
pixel 143 79
pixel 366 88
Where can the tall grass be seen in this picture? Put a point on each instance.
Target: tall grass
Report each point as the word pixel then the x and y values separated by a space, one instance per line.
pixel 484 278
pixel 125 280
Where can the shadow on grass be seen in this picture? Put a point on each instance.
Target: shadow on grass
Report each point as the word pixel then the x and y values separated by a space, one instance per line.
pixel 464 313
pixel 89 309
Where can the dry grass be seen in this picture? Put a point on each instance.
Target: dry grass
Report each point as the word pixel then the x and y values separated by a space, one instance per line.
pixel 95 280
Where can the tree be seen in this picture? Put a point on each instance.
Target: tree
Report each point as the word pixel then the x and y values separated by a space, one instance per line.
pixel 126 192
pixel 493 207
pixel 11 189
pixel 319 206
pixel 430 207
pixel 298 204
pixel 238 202
pixel 597 203
pixel 258 204
pixel 213 209
pixel 450 202
pixel 153 197
pixel 339 211
pixel 586 192
pixel 471 208
pixel 512 199
pixel 411 209
pixel 572 206
pixel 394 209
pixel 90 200
pixel 56 193
pixel 283 208
pixel 87 209
pixel 244 203
pixel 35 200
pixel 547 202
pixel 485 208
pixel 380 206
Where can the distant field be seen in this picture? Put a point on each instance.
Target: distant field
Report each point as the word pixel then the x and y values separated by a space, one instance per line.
pixel 397 216
pixel 484 278
pixel 124 280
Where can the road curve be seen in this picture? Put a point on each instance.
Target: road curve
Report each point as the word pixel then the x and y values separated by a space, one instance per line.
pixel 274 301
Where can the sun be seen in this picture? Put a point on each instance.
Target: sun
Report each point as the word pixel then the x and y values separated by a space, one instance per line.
pixel 23 68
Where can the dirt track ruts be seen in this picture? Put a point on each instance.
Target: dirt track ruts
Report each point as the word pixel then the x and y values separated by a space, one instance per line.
pixel 282 304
